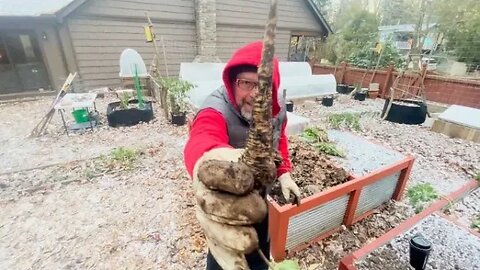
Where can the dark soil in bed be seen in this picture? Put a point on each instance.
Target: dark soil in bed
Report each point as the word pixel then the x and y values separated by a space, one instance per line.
pixel 327 254
pixel 312 171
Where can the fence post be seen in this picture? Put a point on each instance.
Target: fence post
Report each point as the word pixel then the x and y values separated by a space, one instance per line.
pixel 351 207
pixel 388 80
pixel 343 69
pixel 312 62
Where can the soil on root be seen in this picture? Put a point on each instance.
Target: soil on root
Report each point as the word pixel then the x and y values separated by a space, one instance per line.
pixel 327 253
pixel 312 171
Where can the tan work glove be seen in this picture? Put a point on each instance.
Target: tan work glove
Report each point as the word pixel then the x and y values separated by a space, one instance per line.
pixel 288 186
pixel 227 206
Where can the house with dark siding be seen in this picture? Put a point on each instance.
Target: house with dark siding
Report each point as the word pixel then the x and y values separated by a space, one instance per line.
pixel 41 42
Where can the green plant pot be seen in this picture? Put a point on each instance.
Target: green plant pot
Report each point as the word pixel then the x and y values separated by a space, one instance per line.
pixel 80 115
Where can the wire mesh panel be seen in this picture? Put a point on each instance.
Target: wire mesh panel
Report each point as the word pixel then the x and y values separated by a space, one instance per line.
pixel 308 225
pixel 377 193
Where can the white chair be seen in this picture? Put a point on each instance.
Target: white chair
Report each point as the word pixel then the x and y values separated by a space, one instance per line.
pixel 129 61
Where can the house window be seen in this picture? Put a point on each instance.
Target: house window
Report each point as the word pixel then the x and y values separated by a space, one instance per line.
pixel 27 47
pixel 302 47
pixel 21 48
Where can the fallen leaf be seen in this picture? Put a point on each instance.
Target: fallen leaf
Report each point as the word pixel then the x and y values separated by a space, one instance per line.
pixel 287 265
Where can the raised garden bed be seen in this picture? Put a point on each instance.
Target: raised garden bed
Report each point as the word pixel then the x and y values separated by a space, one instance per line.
pixel 329 252
pixel 334 196
pixel 452 247
pixel 451 241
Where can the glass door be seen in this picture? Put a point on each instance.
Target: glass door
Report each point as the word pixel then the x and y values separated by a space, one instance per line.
pixel 23 68
pixel 8 77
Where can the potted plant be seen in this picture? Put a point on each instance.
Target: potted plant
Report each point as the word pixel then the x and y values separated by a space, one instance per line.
pixel 176 90
pixel 373 94
pixel 129 111
pixel 360 94
pixel 373 90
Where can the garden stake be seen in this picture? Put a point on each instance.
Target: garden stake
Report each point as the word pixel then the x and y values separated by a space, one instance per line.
pixel 136 81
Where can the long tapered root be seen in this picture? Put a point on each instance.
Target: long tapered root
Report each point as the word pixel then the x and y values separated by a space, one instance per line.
pixel 259 153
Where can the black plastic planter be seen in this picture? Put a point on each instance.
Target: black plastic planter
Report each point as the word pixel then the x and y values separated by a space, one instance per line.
pixel 360 96
pixel 289 105
pixel 419 251
pixel 409 112
pixel 342 88
pixel 117 116
pixel 327 101
pixel 350 88
pixel 178 119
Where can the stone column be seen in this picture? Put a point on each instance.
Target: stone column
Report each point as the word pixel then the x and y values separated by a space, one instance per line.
pixel 206 24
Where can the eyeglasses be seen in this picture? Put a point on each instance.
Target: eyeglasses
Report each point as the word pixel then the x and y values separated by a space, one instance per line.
pixel 246 84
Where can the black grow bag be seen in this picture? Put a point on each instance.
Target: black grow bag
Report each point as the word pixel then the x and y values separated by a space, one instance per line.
pixel 178 119
pixel 327 101
pixel 342 88
pixel 128 117
pixel 350 88
pixel 409 112
pixel 360 96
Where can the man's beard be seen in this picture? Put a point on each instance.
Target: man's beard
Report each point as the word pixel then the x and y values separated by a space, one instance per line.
pixel 246 113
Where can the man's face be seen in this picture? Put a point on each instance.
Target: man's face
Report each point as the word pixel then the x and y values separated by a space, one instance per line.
pixel 245 89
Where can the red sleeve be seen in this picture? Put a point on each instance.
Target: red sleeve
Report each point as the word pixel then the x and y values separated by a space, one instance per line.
pixel 208 131
pixel 286 165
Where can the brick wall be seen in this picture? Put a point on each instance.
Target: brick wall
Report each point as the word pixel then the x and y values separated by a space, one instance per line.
pixel 447 91
pixel 437 88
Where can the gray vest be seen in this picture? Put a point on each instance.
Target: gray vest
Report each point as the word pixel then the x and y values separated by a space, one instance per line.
pixel 237 125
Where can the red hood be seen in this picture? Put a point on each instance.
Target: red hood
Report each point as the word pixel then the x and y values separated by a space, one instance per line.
pixel 251 54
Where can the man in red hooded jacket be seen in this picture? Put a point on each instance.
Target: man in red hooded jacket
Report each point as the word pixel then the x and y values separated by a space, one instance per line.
pixel 221 126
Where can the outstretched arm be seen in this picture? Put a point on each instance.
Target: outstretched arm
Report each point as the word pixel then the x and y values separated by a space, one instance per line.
pixel 208 131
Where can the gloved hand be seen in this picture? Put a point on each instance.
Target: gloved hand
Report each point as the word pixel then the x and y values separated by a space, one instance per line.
pixel 227 206
pixel 288 186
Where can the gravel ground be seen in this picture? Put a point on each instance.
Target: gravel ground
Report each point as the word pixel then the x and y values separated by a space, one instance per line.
pixel 20 152
pixel 57 211
pixel 452 248
pixel 133 219
pixel 362 156
pixel 467 210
